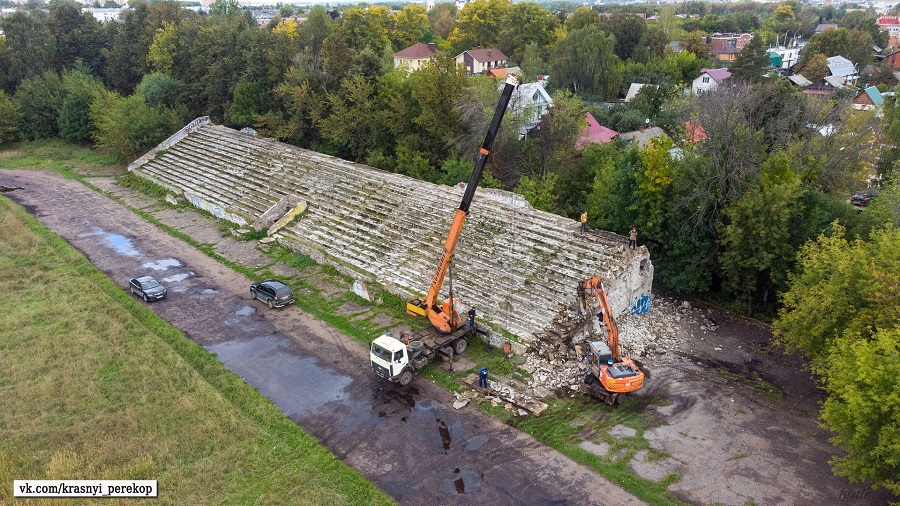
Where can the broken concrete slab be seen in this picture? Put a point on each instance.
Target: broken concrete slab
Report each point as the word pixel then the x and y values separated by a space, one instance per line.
pixel 622 431
pixel 497 390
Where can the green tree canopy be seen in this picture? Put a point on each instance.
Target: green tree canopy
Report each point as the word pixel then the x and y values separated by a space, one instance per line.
pixel 481 21
pixel 525 23
pixel 751 63
pixel 854 45
pixel 39 100
pixel 585 63
pixel 80 89
pixel 9 117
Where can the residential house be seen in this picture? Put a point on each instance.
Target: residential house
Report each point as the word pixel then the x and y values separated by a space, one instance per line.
pixel 726 46
pixel 594 133
pixel 893 59
pixel 529 102
pixel 502 73
pixel 826 86
pixel 789 55
pixel 709 80
pixel 799 80
pixel 415 56
pixel 105 14
pixel 643 136
pixel 821 27
pixel 868 99
pixel 891 24
pixel 479 61
pixel 843 68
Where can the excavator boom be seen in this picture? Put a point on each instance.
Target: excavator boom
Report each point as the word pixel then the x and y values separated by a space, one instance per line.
pixel 442 315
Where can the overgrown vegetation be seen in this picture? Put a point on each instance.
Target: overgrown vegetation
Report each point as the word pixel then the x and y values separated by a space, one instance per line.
pixel 101 386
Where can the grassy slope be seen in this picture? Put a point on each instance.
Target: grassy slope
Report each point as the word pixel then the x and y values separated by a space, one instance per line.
pixel 96 386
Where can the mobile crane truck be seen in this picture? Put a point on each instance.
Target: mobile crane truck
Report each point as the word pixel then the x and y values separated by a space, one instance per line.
pixel 397 360
pixel 617 375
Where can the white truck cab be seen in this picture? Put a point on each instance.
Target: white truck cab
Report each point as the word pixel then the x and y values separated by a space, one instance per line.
pixel 390 359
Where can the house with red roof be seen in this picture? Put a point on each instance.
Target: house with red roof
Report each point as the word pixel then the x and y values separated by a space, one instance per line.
pixel 891 24
pixel 594 133
pixel 479 61
pixel 415 56
pixel 708 80
pixel 726 46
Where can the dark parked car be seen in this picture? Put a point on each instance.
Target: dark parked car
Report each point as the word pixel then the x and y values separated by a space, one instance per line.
pixel 148 288
pixel 862 198
pixel 272 292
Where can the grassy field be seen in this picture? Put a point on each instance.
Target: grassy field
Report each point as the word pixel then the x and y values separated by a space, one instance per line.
pixel 325 293
pixel 96 386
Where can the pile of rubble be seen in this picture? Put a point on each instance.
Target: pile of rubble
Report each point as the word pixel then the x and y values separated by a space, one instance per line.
pixel 557 361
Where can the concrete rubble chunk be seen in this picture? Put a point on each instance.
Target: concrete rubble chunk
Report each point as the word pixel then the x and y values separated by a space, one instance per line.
pixel 516 264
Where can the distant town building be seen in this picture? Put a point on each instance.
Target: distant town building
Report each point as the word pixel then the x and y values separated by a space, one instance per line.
pixel 104 15
pixel 788 55
pixel 891 24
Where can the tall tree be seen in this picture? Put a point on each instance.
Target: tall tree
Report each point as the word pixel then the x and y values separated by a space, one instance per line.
pixel 9 117
pixel 351 123
pixel 443 18
pixel 583 16
pixel 314 30
pixel 161 53
pixel 854 45
pixel 816 68
pixel 38 99
pixel 411 25
pixel 80 89
pixel 627 30
pixel 526 23
pixel 695 42
pixel 751 63
pixel 481 21
pixel 585 63
pixel 31 46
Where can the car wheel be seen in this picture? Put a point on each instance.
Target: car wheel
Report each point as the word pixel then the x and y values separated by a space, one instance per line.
pixel 253 294
pixel 132 290
pixel 271 304
pixel 145 298
pixel 405 377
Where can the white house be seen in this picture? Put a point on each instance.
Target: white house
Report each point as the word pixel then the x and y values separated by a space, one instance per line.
pixel 843 68
pixel 708 80
pixel 529 102
pixel 415 56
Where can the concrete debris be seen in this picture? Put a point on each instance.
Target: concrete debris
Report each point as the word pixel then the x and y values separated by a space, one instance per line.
pixel 460 403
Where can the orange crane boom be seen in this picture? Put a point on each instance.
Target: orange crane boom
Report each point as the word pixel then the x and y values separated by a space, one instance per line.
pixel 443 315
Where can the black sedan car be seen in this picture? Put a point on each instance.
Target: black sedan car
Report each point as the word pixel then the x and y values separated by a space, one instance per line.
pixel 148 288
pixel 272 292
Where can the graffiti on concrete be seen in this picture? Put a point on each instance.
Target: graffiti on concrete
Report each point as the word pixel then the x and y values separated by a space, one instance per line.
pixel 361 290
pixel 290 215
pixel 641 306
pixel 214 209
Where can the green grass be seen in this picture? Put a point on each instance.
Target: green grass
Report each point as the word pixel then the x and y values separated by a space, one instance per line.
pixel 768 391
pixel 145 186
pixel 71 160
pixel 100 387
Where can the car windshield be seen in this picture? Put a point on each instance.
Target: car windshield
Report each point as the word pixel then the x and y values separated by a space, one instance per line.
pixel 150 284
pixel 381 353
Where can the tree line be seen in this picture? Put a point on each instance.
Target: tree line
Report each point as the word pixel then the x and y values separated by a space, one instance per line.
pixel 753 213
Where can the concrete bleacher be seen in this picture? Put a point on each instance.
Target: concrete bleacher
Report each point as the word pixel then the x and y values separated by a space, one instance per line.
pixel 518 266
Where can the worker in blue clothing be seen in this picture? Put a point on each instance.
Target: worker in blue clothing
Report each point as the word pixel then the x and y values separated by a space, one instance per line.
pixel 472 318
pixel 482 378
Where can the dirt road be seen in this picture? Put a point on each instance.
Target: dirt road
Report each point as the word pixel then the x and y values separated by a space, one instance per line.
pixel 409 441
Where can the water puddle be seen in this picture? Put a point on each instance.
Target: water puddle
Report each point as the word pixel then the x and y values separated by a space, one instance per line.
pixel 178 278
pixel 164 264
pixel 120 243
pixel 476 442
pixel 270 363
pixel 209 291
pixel 244 310
pixel 462 481
pixel 445 434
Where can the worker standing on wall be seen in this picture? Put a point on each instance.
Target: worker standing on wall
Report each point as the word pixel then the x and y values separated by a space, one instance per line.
pixel 584 222
pixel 632 238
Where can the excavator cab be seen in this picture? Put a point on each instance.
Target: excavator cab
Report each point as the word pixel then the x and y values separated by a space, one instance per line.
pixel 620 377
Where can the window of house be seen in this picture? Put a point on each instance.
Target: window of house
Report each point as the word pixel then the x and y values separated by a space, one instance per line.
pixel 705 79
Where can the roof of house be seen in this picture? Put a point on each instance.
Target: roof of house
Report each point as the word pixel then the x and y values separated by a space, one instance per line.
pixel 799 80
pixel 718 75
pixel 874 95
pixel 835 81
pixel 594 132
pixel 485 54
pixel 888 20
pixel 825 26
pixel 417 50
pixel 695 131
pixel 840 66
pixel 643 137
pixel 676 46
pixel 634 89
pixel 501 73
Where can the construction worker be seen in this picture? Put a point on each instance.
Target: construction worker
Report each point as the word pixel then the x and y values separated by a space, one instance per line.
pixel 404 337
pixel 472 318
pixel 584 222
pixel 632 238
pixel 482 378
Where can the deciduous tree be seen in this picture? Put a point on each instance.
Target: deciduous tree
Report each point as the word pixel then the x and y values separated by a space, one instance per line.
pixel 80 89
pixel 411 25
pixel 481 21
pixel 9 117
pixel 525 23
pixel 585 63
pixel 39 99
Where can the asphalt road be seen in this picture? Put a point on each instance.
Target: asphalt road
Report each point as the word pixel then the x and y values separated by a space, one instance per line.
pixel 407 440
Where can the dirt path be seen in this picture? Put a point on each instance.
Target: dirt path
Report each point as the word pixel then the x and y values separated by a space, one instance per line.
pixel 409 441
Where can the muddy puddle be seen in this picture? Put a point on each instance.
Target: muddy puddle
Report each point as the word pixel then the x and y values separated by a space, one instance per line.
pixel 121 244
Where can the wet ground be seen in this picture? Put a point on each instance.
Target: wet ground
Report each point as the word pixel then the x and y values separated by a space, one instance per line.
pixel 409 441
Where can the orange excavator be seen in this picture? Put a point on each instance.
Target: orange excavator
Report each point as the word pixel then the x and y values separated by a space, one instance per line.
pixel 444 316
pixel 617 375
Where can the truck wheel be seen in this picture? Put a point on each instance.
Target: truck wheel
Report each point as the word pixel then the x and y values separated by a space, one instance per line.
pixel 405 377
pixel 460 346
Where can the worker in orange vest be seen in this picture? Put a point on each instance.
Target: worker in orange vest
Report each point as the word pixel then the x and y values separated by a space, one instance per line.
pixel 584 222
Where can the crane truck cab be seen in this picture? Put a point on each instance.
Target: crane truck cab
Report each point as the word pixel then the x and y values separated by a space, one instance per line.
pixel 394 361
pixel 391 359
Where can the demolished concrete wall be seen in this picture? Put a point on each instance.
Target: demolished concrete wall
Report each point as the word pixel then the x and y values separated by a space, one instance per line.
pixel 518 266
